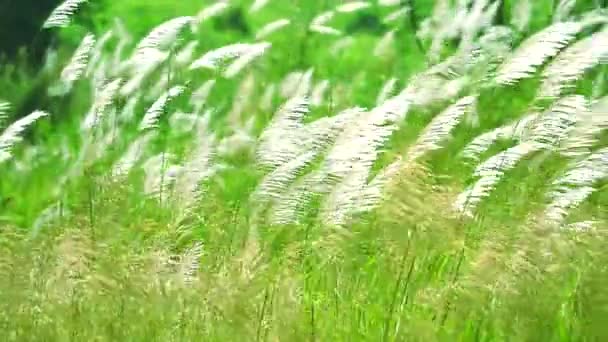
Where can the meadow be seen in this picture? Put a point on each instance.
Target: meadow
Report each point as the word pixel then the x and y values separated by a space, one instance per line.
pixel 265 170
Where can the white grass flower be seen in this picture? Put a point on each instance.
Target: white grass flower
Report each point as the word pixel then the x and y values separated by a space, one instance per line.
pixel 161 37
pixel 279 143
pixel 277 182
pixel 255 51
pixel 136 150
pixel 385 44
pixel 387 90
pixel 196 168
pixel 62 14
pixel 271 28
pixel 483 142
pixel 319 24
pixel 258 5
pixel 587 131
pixel 522 13
pixel 201 94
pixel 571 64
pixel 212 59
pixel 318 93
pixel 563 10
pixel 389 3
pixel 12 134
pixel 396 15
pixel 440 127
pixel 576 185
pixel 102 101
pixel 353 6
pixel 78 63
pixel 209 12
pixel 535 50
pixel 185 55
pixel 151 117
pixel 491 173
pixel 268 97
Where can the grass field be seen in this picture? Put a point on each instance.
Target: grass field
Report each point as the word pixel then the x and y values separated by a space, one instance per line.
pixel 308 170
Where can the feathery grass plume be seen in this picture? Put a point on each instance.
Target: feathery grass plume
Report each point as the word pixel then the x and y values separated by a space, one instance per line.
pixel 290 83
pixel 571 64
pixel 396 15
pixel 437 131
pixel 563 10
pixel 385 44
pixel 522 13
pixel 200 95
pixel 290 206
pixel 360 141
pixel 297 83
pixel 196 168
pixel 272 27
pixel 12 134
pixel 440 127
pixel 319 24
pixel 267 98
pixel 555 124
pixel 582 226
pixel 343 200
pixel 124 40
pixel 389 3
pixel 546 133
pixel 317 96
pixel 352 6
pixel 258 5
pixel 62 14
pixel 183 123
pixel 490 173
pixel 161 37
pixel 142 70
pixel 479 17
pixel 577 185
pixel 97 54
pixel 160 85
pixel 185 55
pixel 445 23
pixel 277 182
pixel 587 130
pixel 323 132
pixel 341 45
pixel 535 50
pixel 255 51
pixel 423 90
pixel 150 119
pixel 135 152
pixel 241 142
pixel 127 113
pixel 160 173
pixel 102 101
pixel 212 59
pixel 483 142
pixel 243 97
pixel 209 12
pixel 189 263
pixel 348 164
pixel 279 144
pixel 78 63
pixel 4 108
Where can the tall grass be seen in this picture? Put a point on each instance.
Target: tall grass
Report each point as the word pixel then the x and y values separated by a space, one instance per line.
pixel 430 176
